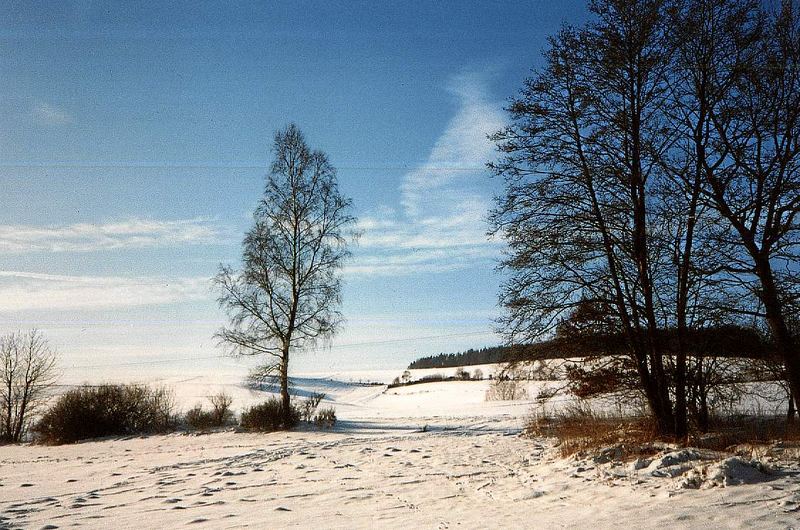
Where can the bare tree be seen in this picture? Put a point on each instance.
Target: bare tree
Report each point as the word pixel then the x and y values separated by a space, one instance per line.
pixel 580 162
pixel 708 36
pixel 652 169
pixel 27 372
pixel 286 296
pixel 754 183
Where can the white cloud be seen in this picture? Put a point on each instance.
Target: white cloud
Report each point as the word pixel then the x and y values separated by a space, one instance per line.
pixel 21 291
pixel 85 237
pixel 442 224
pixel 441 259
pixel 51 115
pixel 448 176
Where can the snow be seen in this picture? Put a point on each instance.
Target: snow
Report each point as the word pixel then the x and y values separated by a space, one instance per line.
pixel 432 455
pixel 734 471
pixel 353 393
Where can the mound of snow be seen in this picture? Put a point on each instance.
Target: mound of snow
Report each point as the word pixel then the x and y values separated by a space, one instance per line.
pixel 675 458
pixel 674 463
pixel 731 471
pixel 608 454
pixel 734 471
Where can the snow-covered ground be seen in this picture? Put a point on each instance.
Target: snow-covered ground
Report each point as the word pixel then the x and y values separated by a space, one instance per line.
pixel 423 456
pixel 354 394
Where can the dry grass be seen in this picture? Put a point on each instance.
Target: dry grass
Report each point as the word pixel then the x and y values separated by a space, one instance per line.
pixel 581 430
pixel 729 433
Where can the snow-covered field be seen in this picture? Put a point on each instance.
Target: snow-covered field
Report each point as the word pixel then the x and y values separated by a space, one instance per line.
pixel 423 456
pixel 354 394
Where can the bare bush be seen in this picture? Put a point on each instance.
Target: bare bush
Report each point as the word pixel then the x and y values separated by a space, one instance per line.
pixel 198 418
pixel 477 374
pixel 221 407
pixel 506 390
pixel 219 415
pixel 325 418
pixel 309 406
pixel 269 416
pixel 27 373
pixel 107 410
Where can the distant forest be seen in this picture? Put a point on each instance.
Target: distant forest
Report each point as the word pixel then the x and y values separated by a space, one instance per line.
pixel 494 354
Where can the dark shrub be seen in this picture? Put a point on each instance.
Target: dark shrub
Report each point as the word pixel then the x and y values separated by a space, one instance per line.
pixel 107 410
pixel 309 406
pixel 221 407
pixel 506 390
pixel 325 418
pixel 268 416
pixel 219 415
pixel 198 419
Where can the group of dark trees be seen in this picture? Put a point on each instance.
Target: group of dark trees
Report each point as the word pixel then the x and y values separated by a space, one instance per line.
pixel 652 173
pixel 490 355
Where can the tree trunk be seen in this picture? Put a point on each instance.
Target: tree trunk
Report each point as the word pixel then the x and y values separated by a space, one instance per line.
pixel 681 424
pixel 8 415
pixel 285 399
pixel 9 400
pixel 18 422
pixel 702 393
pixel 638 194
pixel 782 337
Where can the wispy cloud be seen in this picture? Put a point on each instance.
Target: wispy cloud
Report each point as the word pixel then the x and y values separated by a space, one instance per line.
pixel 86 237
pixel 441 225
pixel 460 153
pixel 51 115
pixel 442 259
pixel 21 291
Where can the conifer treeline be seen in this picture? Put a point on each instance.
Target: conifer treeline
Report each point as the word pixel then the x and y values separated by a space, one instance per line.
pixel 493 354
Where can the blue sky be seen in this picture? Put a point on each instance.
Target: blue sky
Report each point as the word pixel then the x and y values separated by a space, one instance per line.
pixel 134 139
